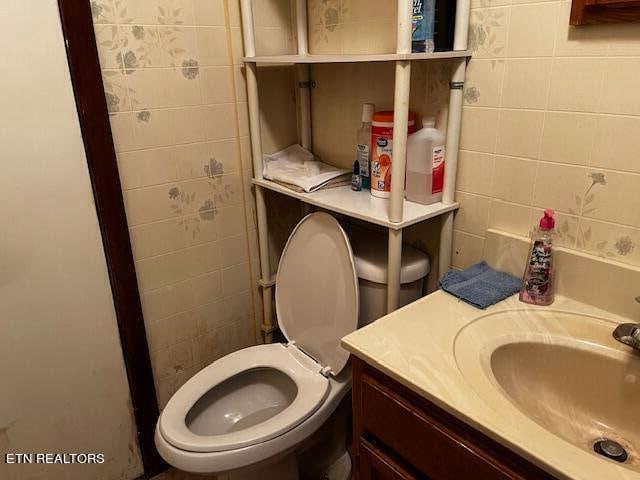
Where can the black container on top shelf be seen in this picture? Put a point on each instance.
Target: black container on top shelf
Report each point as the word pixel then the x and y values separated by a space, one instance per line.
pixel 444 25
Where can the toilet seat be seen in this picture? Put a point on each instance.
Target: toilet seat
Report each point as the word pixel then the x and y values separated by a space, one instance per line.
pixel 311 384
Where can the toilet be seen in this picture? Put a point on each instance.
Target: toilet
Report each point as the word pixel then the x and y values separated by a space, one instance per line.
pixel 253 407
pixel 248 412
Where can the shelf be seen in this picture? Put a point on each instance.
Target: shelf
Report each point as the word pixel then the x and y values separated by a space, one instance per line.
pixel 362 205
pixel 349 58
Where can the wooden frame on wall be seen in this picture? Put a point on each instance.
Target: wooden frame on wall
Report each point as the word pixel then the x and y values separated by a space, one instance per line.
pixel 84 66
pixel 591 12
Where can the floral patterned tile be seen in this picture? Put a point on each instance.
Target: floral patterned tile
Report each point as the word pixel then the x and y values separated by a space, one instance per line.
pixel 483 84
pixel 488 30
pixel 180 164
pixel 489 3
pixel 116 90
pixel 111 40
pixel 324 16
pixel 102 11
pixel 613 197
pixel 567 227
pixel 609 240
pixel 159 46
pixel 154 12
pixel 558 186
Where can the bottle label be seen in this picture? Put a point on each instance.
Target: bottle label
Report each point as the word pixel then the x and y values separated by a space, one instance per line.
pixel 381 158
pixel 538 278
pixel 437 156
pixel 356 182
pixel 362 152
pixel 423 26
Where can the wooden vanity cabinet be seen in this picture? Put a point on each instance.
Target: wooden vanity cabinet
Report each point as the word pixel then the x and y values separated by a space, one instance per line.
pixel 399 435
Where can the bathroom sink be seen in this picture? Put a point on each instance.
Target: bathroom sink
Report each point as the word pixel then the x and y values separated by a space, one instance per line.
pixel 563 371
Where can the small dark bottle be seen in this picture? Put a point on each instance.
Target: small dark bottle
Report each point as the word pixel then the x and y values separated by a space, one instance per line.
pixel 356 179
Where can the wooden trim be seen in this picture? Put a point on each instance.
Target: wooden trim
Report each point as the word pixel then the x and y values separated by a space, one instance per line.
pixel 592 12
pixel 86 76
pixel 375 464
pixel 356 412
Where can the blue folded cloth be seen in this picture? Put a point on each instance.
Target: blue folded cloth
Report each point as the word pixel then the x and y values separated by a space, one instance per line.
pixel 480 285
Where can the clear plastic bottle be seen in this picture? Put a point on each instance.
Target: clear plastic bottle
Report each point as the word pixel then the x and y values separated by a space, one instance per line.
pixel 425 164
pixel 537 283
pixel 363 145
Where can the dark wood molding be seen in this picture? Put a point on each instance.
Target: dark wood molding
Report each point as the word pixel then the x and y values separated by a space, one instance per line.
pixel 86 76
pixel 592 12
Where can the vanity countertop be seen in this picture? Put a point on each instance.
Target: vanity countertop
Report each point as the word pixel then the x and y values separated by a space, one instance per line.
pixel 416 345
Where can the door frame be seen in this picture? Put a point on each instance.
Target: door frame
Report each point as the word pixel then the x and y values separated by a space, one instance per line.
pixel 86 77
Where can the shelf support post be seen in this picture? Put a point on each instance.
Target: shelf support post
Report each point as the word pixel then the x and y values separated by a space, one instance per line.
pixel 401 111
pixel 301 27
pixel 303 74
pixel 394 264
pixel 253 101
pixel 400 131
pixel 453 134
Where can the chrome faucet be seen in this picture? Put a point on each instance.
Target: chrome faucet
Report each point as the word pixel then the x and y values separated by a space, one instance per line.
pixel 628 333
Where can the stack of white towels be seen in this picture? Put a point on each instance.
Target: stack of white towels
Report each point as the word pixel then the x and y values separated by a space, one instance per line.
pixel 297 168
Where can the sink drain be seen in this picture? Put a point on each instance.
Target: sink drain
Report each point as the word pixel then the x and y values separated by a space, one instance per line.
pixel 610 449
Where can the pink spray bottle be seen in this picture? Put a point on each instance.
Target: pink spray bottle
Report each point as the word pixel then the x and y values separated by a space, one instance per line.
pixel 537 282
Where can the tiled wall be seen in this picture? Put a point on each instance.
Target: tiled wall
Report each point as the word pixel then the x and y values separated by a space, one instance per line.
pixel 352 26
pixel 176 94
pixel 551 119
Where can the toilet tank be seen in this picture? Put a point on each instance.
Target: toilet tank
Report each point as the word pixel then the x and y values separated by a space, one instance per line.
pixel 370 255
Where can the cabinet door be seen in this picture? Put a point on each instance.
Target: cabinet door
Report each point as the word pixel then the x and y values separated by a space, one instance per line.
pixel 375 464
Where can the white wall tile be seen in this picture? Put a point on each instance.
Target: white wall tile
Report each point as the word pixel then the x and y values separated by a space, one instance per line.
pixel 526 83
pixel 568 137
pixel 532 30
pixel 514 179
pixel 519 133
pixel 576 84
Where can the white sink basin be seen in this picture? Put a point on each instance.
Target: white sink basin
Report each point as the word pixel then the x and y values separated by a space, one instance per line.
pixel 563 371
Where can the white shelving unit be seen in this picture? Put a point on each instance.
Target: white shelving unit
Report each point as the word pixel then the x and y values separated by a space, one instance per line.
pixel 362 205
pixel 394 213
pixel 379 57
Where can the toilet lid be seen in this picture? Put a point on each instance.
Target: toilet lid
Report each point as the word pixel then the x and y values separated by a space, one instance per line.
pixel 317 290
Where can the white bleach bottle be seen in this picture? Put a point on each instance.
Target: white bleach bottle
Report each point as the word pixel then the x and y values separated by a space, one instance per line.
pixel 425 164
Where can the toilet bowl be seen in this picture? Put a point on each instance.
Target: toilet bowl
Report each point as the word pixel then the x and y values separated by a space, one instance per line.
pixel 258 404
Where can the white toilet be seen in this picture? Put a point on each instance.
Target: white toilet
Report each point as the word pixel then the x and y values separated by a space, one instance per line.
pixel 249 411
pixel 259 403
